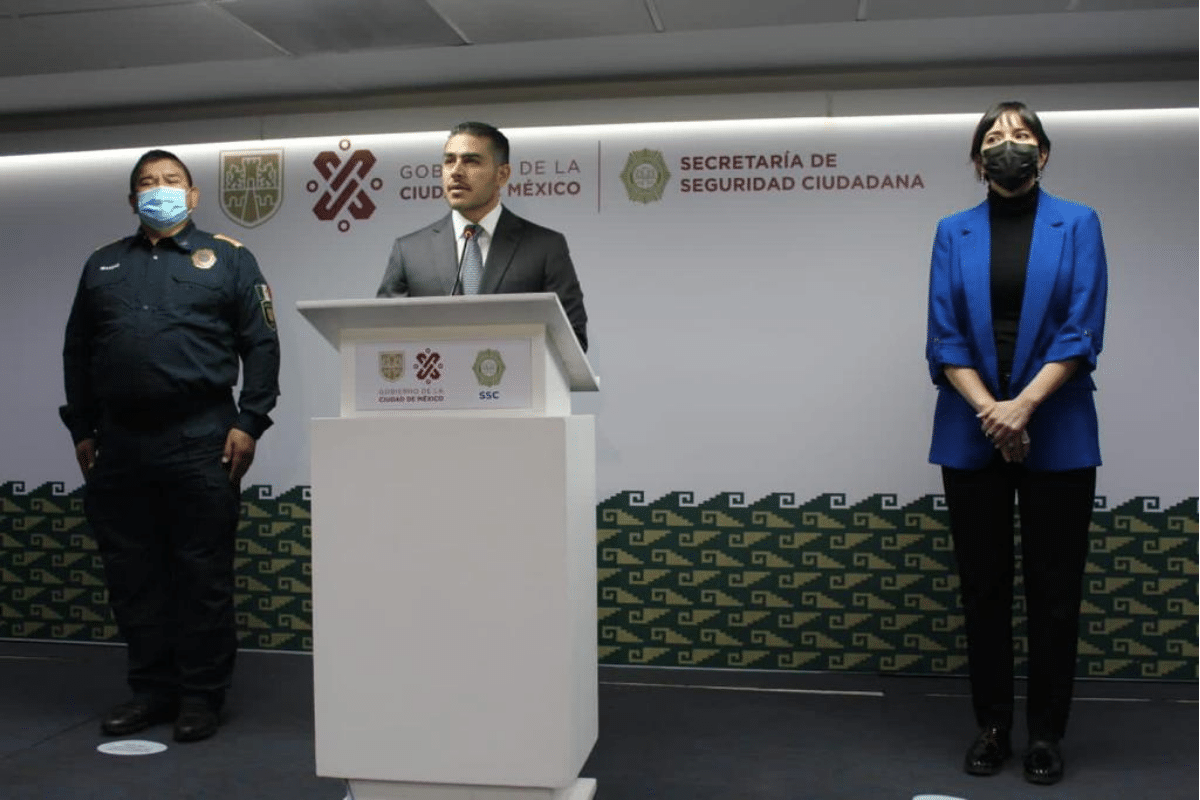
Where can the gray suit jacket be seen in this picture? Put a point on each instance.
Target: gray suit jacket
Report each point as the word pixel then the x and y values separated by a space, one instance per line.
pixel 523 257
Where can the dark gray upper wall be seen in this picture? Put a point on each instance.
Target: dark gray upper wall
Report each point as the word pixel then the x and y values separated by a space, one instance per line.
pixel 94 73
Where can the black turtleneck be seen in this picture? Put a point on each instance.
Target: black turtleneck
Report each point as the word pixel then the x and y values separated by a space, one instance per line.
pixel 1011 220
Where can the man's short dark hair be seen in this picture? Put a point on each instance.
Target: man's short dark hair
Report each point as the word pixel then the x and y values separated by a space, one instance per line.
pixel 491 133
pixel 155 155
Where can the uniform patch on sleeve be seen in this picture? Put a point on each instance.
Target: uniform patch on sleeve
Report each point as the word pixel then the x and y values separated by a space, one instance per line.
pixel 225 238
pixel 264 302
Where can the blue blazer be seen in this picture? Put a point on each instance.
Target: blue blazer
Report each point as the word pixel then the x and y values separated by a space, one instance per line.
pixel 1062 317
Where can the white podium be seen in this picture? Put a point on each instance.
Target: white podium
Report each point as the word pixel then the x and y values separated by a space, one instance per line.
pixel 454 552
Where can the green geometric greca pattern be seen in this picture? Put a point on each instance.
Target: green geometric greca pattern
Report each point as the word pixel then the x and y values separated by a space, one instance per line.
pixel 723 583
pixel 52 582
pixel 868 587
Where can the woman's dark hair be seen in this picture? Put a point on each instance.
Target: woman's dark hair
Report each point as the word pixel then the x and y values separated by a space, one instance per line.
pixel 1000 109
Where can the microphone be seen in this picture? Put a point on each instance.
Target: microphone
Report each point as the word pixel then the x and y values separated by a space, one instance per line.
pixel 467 234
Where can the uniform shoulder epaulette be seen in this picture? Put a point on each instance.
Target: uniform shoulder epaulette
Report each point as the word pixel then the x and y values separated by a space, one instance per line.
pixel 225 238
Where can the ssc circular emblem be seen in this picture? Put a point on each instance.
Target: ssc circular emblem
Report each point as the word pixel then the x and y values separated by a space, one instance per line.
pixel 204 258
pixel 645 176
pixel 488 368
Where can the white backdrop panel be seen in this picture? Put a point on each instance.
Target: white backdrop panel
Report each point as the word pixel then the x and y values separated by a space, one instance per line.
pixel 753 341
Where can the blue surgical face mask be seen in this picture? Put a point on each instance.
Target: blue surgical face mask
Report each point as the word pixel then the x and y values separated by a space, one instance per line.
pixel 162 207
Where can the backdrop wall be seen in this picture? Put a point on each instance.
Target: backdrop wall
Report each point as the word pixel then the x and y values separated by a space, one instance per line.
pixel 757 294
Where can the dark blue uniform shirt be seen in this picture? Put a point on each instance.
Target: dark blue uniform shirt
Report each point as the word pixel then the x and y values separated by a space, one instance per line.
pixel 159 330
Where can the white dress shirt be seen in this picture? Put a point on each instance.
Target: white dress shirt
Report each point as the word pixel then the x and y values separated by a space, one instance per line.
pixel 484 237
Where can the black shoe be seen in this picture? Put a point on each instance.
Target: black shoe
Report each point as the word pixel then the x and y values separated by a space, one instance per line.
pixel 198 719
pixel 137 714
pixel 1043 762
pixel 989 751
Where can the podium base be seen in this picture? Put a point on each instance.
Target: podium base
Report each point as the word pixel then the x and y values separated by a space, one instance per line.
pixel 581 789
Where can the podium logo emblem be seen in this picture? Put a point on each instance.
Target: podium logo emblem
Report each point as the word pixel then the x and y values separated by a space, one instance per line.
pixel 645 176
pixel 251 185
pixel 429 366
pixel 391 365
pixel 489 368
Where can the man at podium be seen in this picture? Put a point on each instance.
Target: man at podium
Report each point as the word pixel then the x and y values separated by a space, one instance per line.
pixel 480 247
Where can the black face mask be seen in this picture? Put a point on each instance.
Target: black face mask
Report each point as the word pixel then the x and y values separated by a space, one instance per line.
pixel 1010 165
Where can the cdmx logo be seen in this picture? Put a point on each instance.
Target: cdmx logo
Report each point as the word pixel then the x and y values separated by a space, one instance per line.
pixel 430 366
pixel 345 188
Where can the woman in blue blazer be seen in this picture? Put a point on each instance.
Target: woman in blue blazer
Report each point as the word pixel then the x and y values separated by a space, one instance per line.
pixel 1017 294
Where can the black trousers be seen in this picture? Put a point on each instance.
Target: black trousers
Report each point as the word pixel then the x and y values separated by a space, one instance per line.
pixel 165 516
pixel 1055 513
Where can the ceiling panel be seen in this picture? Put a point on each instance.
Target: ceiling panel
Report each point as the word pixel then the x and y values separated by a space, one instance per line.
pixel 935 9
pixel 68 56
pixel 302 27
pixel 15 7
pixel 1131 5
pixel 497 21
pixel 129 37
pixel 701 15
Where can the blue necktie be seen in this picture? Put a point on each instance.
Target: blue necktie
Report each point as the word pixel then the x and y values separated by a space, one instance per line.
pixel 472 264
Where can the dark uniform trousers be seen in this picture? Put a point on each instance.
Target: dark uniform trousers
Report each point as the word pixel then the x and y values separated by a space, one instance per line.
pixel 165 516
pixel 1055 514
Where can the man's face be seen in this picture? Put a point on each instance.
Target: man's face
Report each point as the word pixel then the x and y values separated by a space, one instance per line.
pixel 164 172
pixel 471 178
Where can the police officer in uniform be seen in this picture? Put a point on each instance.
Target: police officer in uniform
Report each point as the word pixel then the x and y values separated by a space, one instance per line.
pixel 161 322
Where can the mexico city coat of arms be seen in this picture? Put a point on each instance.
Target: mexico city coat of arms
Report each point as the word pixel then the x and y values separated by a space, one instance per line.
pixel 251 185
